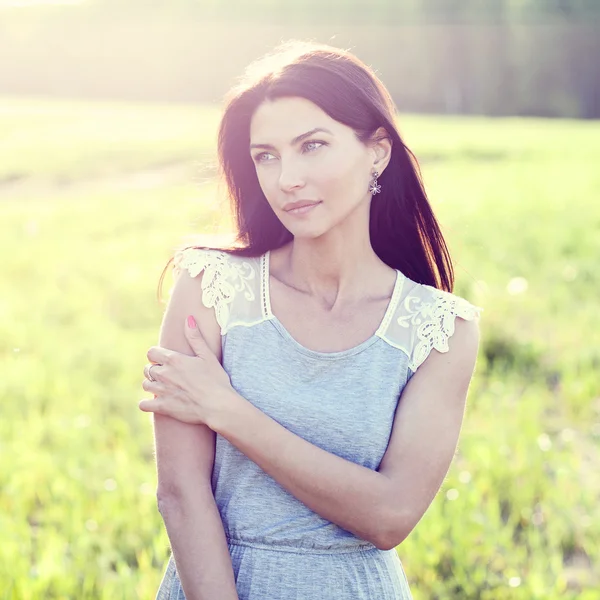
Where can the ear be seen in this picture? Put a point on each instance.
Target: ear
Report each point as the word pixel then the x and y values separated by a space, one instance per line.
pixel 381 147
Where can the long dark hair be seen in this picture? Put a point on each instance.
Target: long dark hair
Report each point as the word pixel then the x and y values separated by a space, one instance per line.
pixel 403 230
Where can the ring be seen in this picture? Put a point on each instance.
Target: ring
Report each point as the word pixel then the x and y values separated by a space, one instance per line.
pixel 150 378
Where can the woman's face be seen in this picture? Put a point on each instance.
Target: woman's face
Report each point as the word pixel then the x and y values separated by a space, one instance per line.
pixel 301 154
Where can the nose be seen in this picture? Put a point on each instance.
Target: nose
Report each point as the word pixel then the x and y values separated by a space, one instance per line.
pixel 290 177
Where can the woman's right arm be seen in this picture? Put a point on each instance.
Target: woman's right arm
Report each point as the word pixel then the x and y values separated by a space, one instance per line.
pixel 185 456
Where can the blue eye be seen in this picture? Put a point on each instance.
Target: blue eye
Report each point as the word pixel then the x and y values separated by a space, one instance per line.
pixel 306 147
pixel 259 157
pixel 313 142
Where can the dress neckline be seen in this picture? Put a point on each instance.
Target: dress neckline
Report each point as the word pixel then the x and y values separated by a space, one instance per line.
pixel 268 314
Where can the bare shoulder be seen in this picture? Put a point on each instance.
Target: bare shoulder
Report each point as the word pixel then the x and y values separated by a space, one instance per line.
pixel 465 339
pixel 464 343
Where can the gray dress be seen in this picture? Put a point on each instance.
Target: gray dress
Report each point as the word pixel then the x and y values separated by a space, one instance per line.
pixel 344 402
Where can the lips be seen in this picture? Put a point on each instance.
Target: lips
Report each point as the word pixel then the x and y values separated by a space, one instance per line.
pixel 299 204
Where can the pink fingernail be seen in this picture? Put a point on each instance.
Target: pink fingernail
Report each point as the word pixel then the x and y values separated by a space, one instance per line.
pixel 191 322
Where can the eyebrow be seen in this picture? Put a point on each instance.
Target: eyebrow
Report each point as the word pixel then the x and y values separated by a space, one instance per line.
pixel 297 139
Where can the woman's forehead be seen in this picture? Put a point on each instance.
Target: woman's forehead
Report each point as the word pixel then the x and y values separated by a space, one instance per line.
pixel 284 119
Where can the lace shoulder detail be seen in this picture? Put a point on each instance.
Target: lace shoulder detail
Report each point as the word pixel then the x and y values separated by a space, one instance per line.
pixel 425 320
pixel 226 277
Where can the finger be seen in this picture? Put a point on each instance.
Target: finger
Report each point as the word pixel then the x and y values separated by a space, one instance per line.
pixel 160 356
pixel 153 371
pixel 154 405
pixel 155 387
pixel 195 337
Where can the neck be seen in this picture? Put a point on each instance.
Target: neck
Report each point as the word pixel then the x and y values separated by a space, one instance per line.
pixel 337 268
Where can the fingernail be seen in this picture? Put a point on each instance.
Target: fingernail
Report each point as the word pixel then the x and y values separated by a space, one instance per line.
pixel 191 322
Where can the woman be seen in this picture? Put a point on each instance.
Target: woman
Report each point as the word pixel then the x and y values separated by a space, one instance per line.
pixel 304 422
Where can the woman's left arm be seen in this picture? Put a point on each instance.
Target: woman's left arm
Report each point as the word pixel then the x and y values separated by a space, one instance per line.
pixel 379 506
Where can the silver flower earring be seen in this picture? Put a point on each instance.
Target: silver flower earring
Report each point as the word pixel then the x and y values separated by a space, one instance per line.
pixel 374 187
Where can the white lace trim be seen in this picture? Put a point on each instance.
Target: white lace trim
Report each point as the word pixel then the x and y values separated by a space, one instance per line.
pixel 222 278
pixel 433 321
pixel 422 321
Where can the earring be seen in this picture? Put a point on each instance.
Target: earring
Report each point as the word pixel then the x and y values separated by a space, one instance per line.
pixel 374 187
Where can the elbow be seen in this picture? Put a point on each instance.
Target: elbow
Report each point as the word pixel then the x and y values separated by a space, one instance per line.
pixel 388 540
pixel 168 501
pixel 391 532
pixel 179 500
pixel 165 503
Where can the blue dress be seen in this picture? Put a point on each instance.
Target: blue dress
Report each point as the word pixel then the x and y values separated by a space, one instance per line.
pixel 344 402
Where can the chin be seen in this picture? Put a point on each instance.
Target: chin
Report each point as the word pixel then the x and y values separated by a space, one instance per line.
pixel 309 231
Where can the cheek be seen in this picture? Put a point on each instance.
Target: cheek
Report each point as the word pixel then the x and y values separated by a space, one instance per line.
pixel 337 179
pixel 268 181
pixel 343 181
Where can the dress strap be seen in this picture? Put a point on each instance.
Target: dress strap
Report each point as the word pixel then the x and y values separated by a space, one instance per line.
pixel 265 295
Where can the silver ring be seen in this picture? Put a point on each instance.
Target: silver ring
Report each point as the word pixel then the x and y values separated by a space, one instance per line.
pixel 150 378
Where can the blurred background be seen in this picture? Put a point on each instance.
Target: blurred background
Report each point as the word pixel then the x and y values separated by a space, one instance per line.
pixel 492 57
pixel 108 116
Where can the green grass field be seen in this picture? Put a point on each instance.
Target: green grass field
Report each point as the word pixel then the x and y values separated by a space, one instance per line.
pixel 93 198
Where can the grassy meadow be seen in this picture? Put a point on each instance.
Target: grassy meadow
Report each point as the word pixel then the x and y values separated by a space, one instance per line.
pixel 94 197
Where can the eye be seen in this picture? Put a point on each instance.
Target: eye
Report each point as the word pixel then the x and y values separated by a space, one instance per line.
pixel 260 158
pixel 307 145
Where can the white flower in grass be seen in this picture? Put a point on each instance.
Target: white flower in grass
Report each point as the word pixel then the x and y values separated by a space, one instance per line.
pixel 517 285
pixel 452 494
pixel 544 442
pixel 464 477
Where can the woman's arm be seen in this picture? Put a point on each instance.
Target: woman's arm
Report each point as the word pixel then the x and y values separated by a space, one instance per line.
pixel 379 506
pixel 185 455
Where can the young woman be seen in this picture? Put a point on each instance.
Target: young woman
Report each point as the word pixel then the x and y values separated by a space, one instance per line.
pixel 309 384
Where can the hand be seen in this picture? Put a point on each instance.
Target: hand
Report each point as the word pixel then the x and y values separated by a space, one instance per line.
pixel 192 389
